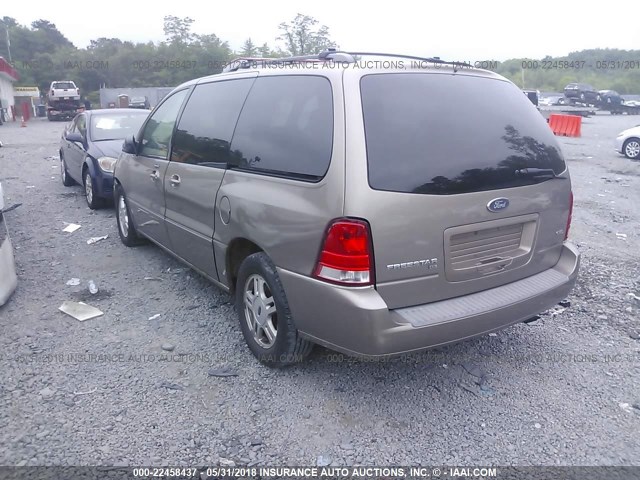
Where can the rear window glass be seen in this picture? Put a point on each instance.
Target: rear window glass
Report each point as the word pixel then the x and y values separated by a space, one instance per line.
pixel 447 134
pixel 64 85
pixel 286 127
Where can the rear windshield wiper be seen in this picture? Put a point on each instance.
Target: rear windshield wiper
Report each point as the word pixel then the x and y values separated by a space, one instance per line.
pixel 538 173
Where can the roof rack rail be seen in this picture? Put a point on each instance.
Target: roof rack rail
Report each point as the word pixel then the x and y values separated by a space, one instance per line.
pixel 410 57
pixel 330 54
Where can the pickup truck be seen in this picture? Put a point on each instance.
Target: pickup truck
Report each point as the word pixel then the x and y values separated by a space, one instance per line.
pixel 63 100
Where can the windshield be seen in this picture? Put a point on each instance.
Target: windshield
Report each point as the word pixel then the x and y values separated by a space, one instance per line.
pixel 138 100
pixel 447 134
pixel 115 126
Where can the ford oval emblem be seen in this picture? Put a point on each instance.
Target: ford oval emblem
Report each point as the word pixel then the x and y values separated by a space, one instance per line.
pixel 498 204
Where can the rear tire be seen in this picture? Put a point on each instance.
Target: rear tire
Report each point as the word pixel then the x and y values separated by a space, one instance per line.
pixel 126 229
pixel 264 314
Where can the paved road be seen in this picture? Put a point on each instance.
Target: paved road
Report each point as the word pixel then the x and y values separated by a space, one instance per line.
pixel 561 392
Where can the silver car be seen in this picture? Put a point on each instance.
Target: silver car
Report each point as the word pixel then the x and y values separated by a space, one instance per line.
pixel 8 277
pixel 375 205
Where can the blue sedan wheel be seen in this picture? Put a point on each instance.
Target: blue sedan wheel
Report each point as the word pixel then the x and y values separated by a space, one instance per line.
pixel 93 201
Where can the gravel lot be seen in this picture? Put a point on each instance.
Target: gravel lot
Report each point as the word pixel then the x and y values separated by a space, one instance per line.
pixel 126 389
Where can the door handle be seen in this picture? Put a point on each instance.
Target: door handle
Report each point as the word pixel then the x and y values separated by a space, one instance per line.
pixel 154 175
pixel 175 180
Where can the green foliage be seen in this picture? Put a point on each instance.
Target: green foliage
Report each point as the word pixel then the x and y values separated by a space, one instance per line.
pixel 249 49
pixel 605 69
pixel 41 54
pixel 302 36
pixel 178 30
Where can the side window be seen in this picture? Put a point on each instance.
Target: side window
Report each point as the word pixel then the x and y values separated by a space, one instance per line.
pixel 286 127
pixel 157 132
pixel 203 136
pixel 81 125
pixel 72 125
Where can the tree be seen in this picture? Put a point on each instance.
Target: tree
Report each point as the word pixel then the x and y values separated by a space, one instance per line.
pixel 249 49
pixel 264 51
pixel 178 30
pixel 104 45
pixel 302 36
pixel 9 22
pixel 49 37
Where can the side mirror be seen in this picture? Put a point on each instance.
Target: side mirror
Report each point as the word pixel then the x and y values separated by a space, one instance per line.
pixel 129 145
pixel 75 137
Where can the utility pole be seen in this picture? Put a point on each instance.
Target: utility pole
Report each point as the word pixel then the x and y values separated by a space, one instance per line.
pixel 6 29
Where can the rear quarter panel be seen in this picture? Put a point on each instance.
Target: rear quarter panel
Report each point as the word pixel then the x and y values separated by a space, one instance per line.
pixel 285 218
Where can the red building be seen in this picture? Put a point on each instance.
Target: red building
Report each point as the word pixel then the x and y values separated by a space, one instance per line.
pixel 8 76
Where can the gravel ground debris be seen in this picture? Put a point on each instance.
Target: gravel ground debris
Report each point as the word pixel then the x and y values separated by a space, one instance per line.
pixel 135 385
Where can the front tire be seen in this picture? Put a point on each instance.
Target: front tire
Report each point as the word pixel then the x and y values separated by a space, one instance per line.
pixel 264 314
pixel 631 148
pixel 126 229
pixel 93 201
pixel 67 181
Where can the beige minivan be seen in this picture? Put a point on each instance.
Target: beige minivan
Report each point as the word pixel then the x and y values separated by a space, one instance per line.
pixel 374 204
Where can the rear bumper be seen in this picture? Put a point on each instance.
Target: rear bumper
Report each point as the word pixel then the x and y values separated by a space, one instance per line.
pixel 357 321
pixel 618 143
pixel 62 114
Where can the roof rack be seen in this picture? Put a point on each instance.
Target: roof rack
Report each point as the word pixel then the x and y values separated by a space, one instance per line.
pixel 331 54
pixel 412 57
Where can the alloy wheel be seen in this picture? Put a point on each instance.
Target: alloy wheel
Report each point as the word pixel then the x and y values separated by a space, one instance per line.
pixel 88 188
pixel 123 216
pixel 260 311
pixel 632 149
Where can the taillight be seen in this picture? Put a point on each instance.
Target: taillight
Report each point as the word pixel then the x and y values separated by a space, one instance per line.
pixel 346 256
pixel 52 92
pixel 566 230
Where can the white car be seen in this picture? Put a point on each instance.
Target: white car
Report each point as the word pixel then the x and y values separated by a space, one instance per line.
pixel 628 143
pixel 8 278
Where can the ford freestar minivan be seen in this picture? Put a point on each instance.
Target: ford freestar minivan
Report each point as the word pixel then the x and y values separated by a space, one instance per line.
pixel 370 203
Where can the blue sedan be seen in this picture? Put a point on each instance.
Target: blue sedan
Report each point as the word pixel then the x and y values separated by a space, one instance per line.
pixel 90 146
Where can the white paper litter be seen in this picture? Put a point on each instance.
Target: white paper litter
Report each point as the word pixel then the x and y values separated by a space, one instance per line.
pixel 80 311
pixel 72 227
pixel 93 240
